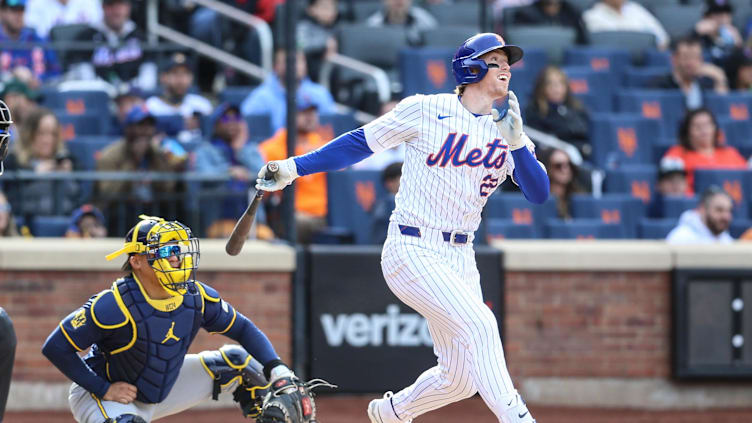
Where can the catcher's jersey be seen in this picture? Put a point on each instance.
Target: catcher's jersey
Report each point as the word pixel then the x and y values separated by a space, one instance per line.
pixel 453 161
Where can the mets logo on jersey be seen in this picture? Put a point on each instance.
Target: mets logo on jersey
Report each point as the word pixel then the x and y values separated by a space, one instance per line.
pixel 79 319
pixel 451 149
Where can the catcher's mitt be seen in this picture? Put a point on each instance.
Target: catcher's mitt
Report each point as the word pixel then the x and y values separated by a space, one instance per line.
pixel 290 400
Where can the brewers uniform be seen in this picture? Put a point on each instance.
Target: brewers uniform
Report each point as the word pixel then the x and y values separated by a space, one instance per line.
pixel 454 160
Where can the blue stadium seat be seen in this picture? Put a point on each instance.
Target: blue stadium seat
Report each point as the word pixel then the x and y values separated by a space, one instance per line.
pixel 259 127
pixel 582 229
pixel 85 124
pixel 514 208
pixel 525 72
pixel 735 105
pixel 661 146
pixel 737 183
pixel 739 226
pixel 612 62
pixel 639 181
pixel 49 226
pixel 337 124
pixel 656 228
pixel 235 94
pixel 673 207
pixel 619 209
pixel 426 70
pixel 622 139
pixel 664 106
pixel 594 88
pixel 507 229
pixel 643 77
pixel 77 102
pixel 170 124
pixel 351 196
pixel 654 57
pixel 85 149
pixel 736 133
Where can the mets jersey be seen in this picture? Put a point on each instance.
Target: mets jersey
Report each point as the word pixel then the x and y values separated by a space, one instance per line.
pixel 454 160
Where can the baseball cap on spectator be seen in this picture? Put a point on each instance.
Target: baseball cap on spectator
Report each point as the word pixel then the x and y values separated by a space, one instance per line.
pixel 85 210
pixel 17 86
pixel 718 6
pixel 222 110
pixel 670 166
pixel 304 102
pixel 175 60
pixel 138 114
pixel 14 3
pixel 128 91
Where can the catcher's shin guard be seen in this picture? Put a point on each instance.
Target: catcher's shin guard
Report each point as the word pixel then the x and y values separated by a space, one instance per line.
pixel 232 363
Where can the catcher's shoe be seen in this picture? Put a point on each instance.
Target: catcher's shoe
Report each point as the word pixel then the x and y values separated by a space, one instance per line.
pixel 382 411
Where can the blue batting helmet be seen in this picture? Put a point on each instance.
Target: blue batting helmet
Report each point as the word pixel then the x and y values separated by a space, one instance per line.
pixel 466 66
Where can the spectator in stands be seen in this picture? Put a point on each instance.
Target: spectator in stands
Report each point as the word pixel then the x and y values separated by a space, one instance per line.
pixel 269 97
pixel 125 100
pixel 563 176
pixel 720 38
pixel 87 222
pixel 230 153
pixel 672 182
pixel 691 74
pixel 700 146
pixel 316 33
pixel 624 15
pixel 402 13
pixel 383 208
pixel 21 101
pixel 41 149
pixel 310 190
pixel 176 80
pixel 43 15
pixel 33 65
pixel 119 58
pixel 552 13
pixel 741 72
pixel 138 151
pixel 708 223
pixel 7 222
pixel 553 109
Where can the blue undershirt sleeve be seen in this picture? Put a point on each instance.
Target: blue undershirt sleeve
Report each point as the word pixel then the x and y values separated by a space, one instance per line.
pixel 61 353
pixel 252 339
pixel 530 176
pixel 343 151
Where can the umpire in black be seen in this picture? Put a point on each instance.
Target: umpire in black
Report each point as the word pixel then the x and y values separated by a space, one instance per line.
pixel 7 354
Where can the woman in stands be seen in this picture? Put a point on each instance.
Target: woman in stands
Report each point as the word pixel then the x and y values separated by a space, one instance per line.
pixel 40 148
pixel 563 175
pixel 555 110
pixel 700 146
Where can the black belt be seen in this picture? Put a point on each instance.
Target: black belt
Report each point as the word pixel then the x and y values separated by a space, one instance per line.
pixel 454 237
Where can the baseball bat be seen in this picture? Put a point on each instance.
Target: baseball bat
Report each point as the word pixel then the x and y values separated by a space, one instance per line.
pixel 243 226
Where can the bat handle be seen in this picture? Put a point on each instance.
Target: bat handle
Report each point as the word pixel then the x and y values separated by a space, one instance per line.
pixel 271 169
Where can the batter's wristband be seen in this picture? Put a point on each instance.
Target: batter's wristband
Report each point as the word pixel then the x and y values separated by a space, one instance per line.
pixel 270 365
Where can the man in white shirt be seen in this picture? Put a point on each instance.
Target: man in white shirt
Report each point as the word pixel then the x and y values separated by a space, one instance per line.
pixel 42 15
pixel 624 15
pixel 706 224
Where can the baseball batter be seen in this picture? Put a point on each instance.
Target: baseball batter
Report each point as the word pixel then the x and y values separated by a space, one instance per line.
pixel 458 151
pixel 140 329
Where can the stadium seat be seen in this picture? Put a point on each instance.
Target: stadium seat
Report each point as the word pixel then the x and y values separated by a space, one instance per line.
pixel 553 39
pixel 449 36
pixel 635 42
pixel 78 102
pixel 639 181
pixel 612 61
pixel 507 229
pixel 592 87
pixel 735 105
pixel 678 20
pixel 655 57
pixel 582 229
pixel 619 209
pixel 643 77
pixel 736 133
pixel 514 208
pixel 170 124
pixel 426 70
pixel 460 13
pixel 620 139
pixel 656 228
pixel 235 94
pixel 84 150
pixel 525 72
pixel 337 124
pixel 379 46
pixel 739 226
pixel 673 207
pixel 83 124
pixel 49 226
pixel 737 183
pixel 363 9
pixel 663 106
pixel 351 197
pixel 661 146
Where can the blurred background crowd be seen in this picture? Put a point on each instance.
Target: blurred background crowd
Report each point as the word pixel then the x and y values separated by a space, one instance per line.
pixel 640 111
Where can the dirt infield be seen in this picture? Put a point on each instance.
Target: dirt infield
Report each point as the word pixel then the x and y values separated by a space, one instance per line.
pixel 351 409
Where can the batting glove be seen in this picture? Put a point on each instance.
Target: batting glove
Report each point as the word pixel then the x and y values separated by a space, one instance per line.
pixel 510 125
pixel 287 173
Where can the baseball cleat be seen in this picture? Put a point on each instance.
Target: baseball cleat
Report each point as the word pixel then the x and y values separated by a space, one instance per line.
pixel 381 410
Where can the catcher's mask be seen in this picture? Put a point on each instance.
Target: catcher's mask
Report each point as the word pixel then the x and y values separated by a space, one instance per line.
pixel 159 239
pixel 5 122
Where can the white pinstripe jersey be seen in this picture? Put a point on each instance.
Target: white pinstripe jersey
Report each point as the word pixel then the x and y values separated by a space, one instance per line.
pixel 453 161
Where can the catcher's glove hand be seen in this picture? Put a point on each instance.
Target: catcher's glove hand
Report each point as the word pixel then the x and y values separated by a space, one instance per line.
pixel 290 400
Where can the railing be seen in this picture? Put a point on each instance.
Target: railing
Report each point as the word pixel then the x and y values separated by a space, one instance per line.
pixel 377 74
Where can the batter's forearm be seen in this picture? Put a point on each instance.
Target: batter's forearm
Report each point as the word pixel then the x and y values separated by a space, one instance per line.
pixel 64 357
pixel 530 176
pixel 345 150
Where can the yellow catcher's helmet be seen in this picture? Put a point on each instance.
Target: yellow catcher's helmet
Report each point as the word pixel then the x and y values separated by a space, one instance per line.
pixel 160 239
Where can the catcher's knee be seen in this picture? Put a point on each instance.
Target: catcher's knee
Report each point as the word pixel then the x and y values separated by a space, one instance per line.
pixel 231 364
pixel 125 418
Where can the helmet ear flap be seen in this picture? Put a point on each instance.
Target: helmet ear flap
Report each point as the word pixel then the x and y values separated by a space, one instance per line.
pixel 472 70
